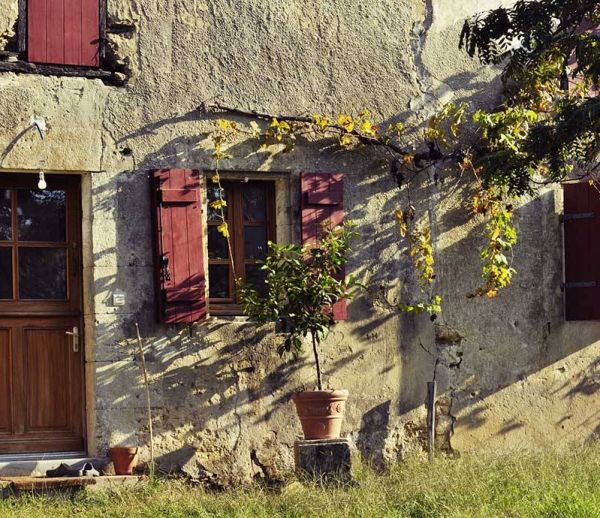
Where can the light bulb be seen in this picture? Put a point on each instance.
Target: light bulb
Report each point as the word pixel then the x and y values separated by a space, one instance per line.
pixel 42 182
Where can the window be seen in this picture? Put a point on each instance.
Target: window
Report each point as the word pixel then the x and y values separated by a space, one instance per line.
pixel 250 215
pixel 183 264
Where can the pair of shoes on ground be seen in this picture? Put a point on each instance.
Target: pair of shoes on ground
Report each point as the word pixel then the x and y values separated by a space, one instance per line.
pixel 87 470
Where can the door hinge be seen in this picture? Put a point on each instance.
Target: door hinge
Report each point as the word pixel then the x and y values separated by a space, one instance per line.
pixel 578 284
pixel 577 215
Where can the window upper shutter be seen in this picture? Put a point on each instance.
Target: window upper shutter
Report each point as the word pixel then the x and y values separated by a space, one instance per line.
pixel 64 32
pixel 180 272
pixel 582 251
pixel 322 199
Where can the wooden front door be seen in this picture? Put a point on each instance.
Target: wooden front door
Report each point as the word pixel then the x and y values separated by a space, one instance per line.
pixel 41 342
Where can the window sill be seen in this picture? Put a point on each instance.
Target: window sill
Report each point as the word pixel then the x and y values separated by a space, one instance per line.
pixel 24 67
pixel 225 310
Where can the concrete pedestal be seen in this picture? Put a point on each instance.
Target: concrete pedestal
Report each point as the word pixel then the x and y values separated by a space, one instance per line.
pixel 324 459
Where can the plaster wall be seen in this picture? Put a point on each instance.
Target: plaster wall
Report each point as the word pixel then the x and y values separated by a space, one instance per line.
pixel 511 372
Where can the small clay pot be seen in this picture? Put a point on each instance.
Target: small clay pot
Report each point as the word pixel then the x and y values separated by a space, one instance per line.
pixel 124 459
pixel 321 412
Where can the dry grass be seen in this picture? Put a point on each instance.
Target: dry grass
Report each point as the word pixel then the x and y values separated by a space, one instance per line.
pixel 531 485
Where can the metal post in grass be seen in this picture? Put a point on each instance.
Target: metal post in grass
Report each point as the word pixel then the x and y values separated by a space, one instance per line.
pixel 431 395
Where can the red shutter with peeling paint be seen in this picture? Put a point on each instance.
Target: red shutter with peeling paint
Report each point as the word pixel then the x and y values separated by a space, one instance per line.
pixel 64 32
pixel 179 244
pixel 582 251
pixel 322 199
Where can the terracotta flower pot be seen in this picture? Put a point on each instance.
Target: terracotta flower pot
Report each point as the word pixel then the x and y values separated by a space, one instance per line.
pixel 321 412
pixel 124 459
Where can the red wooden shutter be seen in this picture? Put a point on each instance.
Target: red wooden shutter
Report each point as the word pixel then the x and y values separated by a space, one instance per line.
pixel 322 199
pixel 180 263
pixel 582 251
pixel 64 32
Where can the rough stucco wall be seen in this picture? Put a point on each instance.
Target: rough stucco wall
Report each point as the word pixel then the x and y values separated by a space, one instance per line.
pixel 8 20
pixel 511 372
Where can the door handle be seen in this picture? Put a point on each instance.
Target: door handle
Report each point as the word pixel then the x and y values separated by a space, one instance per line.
pixel 75 337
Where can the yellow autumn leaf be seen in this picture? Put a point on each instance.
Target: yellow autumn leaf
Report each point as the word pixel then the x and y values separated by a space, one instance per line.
pixel 401 221
pixel 346 122
pixel 346 140
pixel 218 204
pixel 255 128
pixel 367 127
pixel 223 229
pixel 215 178
pixel 224 124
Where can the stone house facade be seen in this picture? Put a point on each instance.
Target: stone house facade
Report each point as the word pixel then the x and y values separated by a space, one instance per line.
pixel 511 372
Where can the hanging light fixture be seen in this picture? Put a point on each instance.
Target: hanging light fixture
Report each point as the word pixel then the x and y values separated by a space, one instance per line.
pixel 40 124
pixel 42 181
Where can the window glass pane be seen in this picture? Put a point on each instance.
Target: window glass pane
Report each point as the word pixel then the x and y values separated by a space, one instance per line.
pixel 255 206
pixel 5 215
pixel 214 194
pixel 41 215
pixel 42 273
pixel 6 273
pixel 256 277
pixel 255 242
pixel 217 244
pixel 218 280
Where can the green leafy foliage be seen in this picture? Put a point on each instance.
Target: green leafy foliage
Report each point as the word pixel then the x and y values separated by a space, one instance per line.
pixel 546 129
pixel 302 285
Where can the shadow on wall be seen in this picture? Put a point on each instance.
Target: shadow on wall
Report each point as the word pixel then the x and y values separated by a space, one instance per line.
pixel 209 394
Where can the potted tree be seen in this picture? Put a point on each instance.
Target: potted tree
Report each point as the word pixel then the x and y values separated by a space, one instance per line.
pixel 302 284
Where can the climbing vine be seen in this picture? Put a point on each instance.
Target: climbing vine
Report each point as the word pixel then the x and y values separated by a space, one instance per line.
pixel 546 130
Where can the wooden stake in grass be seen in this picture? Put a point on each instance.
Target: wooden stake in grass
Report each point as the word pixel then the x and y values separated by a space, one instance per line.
pixel 431 396
pixel 148 405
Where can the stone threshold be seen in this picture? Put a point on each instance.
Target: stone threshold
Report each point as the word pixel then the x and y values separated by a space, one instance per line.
pixel 36 465
pixel 16 485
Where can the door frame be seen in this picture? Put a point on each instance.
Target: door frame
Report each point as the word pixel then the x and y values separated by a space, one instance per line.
pixel 80 229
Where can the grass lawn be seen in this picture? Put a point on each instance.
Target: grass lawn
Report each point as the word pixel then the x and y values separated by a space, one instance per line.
pixel 540 485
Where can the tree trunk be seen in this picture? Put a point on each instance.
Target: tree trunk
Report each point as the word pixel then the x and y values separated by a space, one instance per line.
pixel 317 361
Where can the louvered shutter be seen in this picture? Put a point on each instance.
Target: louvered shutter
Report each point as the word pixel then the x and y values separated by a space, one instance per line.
pixel 181 284
pixel 582 251
pixel 64 32
pixel 322 199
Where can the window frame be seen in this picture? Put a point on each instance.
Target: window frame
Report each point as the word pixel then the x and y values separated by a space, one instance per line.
pixel 235 220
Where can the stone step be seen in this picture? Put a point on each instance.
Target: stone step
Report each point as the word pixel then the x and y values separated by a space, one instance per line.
pixel 36 466
pixel 15 485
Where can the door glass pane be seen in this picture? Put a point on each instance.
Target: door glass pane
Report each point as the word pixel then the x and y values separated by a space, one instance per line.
pixel 255 242
pixel 5 215
pixel 255 207
pixel 215 194
pixel 218 279
pixel 41 215
pixel 6 273
pixel 217 244
pixel 256 277
pixel 42 273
